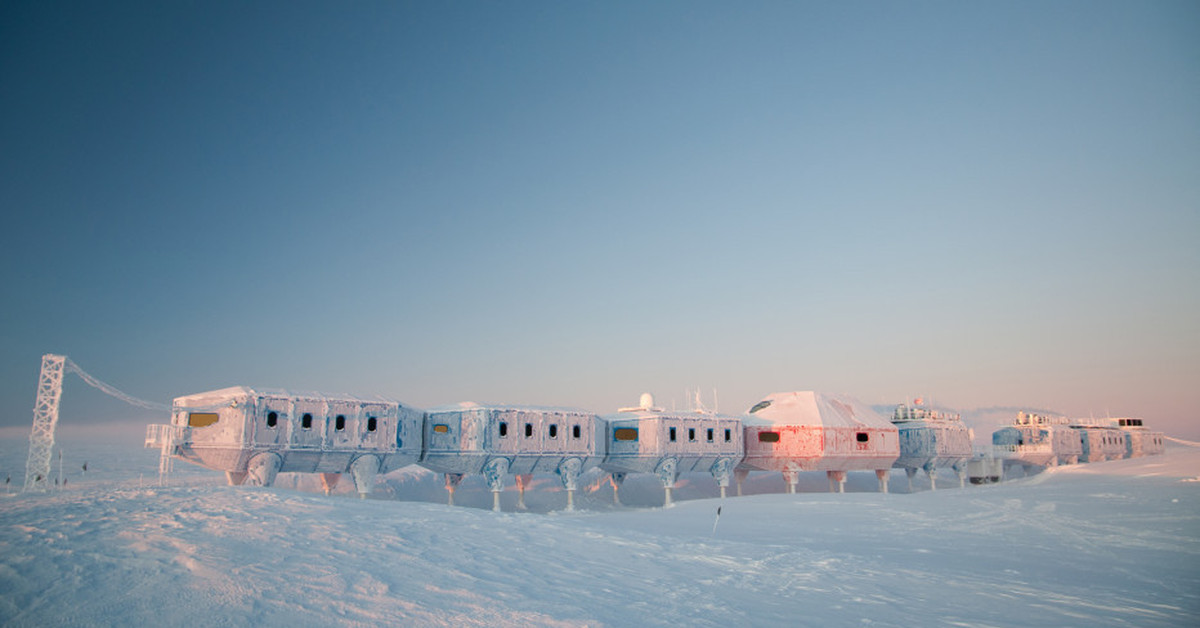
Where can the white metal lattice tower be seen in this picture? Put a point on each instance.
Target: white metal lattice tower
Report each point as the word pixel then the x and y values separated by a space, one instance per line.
pixel 45 418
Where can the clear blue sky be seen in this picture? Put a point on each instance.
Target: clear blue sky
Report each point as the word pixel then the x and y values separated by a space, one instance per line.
pixel 571 203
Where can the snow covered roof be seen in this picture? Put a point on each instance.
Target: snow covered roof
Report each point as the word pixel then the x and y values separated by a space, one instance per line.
pixel 640 414
pixel 811 408
pixel 238 392
pixel 647 410
pixel 470 405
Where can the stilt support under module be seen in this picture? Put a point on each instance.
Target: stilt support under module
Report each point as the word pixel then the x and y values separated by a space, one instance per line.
pixel 569 471
pixel 363 470
pixel 616 479
pixel 837 481
pixel 721 470
pixel 792 478
pixel 494 472
pixel 262 469
pixel 739 476
pixel 523 481
pixel 452 482
pixel 668 474
pixel 329 480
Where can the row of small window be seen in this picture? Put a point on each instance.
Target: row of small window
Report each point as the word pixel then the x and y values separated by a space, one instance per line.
pixel 551 431
pixel 631 433
pixel 773 437
pixel 306 421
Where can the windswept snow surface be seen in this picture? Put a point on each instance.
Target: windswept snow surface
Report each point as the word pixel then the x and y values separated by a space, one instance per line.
pixel 1104 544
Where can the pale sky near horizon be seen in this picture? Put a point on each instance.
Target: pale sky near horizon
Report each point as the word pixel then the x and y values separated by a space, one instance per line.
pixel 987 204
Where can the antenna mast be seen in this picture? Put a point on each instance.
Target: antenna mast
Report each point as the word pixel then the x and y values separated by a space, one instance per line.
pixel 45 419
pixel 45 416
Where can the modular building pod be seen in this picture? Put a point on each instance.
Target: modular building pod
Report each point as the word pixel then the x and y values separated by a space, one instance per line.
pixel 1139 441
pixel 1100 442
pixel 929 440
pixel 495 441
pixel 252 435
pixel 647 439
pixel 809 431
pixel 1035 440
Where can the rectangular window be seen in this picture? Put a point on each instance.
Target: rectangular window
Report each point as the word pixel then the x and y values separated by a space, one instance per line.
pixel 728 435
pixel 441 428
pixel 710 434
pixel 503 429
pixel 672 435
pixel 371 424
pixel 576 432
pixel 306 421
pixel 339 423
pixel 861 437
pixel 529 430
pixel 553 430
pixel 202 419
pixel 625 433
pixel 768 437
pixel 691 433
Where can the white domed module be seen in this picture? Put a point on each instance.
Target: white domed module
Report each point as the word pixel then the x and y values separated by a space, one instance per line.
pixel 809 431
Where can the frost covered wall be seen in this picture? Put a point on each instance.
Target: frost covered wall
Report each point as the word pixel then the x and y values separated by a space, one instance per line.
pixel 1065 443
pixel 254 434
pixel 810 431
pixel 1143 443
pixel 928 444
pixel 1100 443
pixel 931 440
pixel 1139 441
pixel 649 440
pixel 818 432
pixel 496 441
pixel 1036 440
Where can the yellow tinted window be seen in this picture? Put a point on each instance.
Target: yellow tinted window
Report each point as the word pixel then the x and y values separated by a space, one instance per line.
pixel 768 437
pixel 441 428
pixel 203 419
pixel 625 433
